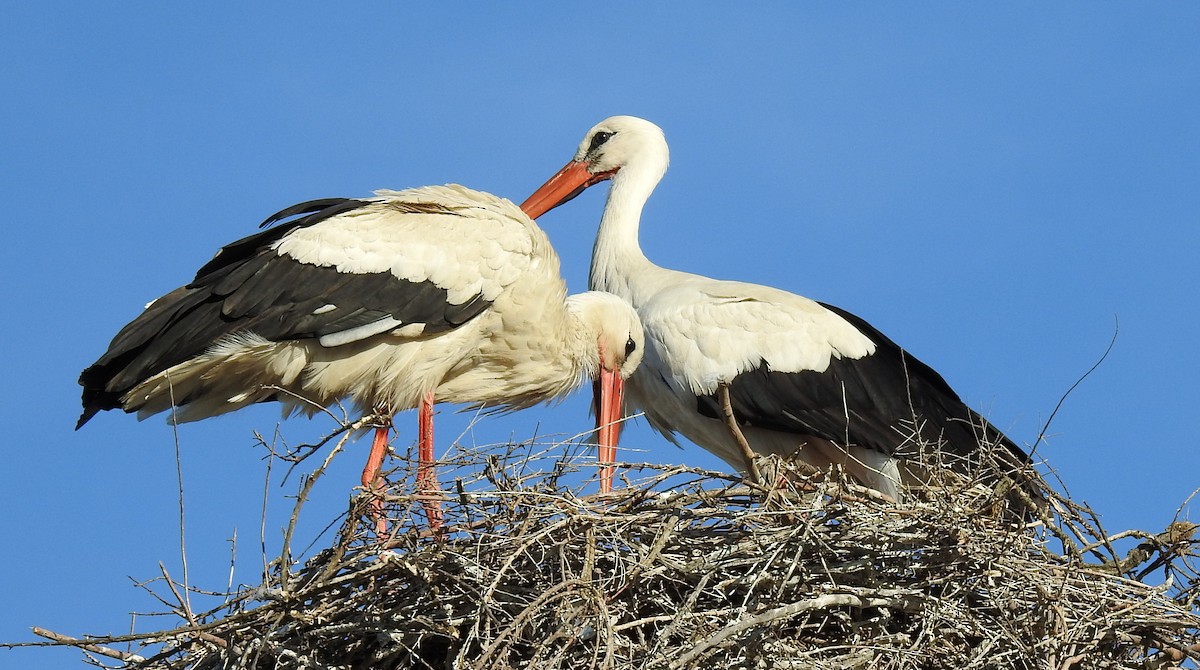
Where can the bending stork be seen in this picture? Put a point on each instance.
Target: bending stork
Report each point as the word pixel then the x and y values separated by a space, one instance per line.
pixel 799 377
pixel 434 294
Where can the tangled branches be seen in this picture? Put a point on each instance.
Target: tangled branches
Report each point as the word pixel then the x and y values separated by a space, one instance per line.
pixel 688 569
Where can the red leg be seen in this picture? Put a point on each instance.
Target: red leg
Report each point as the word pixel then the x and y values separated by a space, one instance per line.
pixel 371 480
pixel 427 482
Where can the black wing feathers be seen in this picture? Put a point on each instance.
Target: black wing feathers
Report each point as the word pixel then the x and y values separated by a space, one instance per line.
pixel 317 211
pixel 456 315
pixel 875 402
pixel 249 288
pixel 321 209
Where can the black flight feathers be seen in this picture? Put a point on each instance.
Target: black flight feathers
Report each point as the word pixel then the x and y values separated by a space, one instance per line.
pixel 249 288
pixel 885 395
pixel 316 211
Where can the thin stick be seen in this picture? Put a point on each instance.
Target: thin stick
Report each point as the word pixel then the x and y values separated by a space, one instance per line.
pixel 184 600
pixel 731 423
pixel 88 646
pixel 285 560
pixel 786 612
pixel 179 479
pixel 1046 426
pixel 262 524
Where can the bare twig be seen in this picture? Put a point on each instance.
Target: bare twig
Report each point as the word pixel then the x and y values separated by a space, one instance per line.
pixel 179 481
pixel 736 432
pixel 87 646
pixel 1050 419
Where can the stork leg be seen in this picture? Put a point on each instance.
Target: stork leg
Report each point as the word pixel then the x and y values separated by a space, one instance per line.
pixel 372 481
pixel 427 482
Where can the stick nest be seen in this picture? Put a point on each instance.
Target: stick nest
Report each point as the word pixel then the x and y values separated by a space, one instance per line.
pixel 683 568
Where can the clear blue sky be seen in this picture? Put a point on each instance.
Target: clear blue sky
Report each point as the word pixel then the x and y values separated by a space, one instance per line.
pixel 994 186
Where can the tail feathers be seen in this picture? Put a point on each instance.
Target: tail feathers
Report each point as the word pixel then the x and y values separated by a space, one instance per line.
pixel 240 371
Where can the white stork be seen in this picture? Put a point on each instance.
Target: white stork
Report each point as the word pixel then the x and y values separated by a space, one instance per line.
pixel 434 294
pixel 801 378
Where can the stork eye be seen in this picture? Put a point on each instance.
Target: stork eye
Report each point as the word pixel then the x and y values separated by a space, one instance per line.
pixel 630 346
pixel 598 139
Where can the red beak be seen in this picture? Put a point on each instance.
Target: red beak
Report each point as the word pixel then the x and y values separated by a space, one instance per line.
pixel 609 391
pixel 564 185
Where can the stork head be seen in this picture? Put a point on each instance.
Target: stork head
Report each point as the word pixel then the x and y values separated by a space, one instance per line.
pixel 614 343
pixel 618 148
pixel 611 332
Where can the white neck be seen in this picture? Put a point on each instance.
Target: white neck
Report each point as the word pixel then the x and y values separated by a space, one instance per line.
pixel 618 264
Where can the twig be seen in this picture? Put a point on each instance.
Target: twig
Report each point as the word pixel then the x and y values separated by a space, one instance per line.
pixel 1046 426
pixel 285 559
pixel 786 612
pixel 179 480
pixel 736 432
pixel 88 646
pixel 185 603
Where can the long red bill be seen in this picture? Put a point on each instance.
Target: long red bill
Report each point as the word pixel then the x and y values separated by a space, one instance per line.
pixel 562 187
pixel 609 392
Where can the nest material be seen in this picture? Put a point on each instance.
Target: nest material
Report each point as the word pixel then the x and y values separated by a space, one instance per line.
pixel 691 569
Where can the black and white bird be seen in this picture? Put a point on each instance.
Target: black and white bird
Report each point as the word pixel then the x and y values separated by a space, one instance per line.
pixel 400 301
pixel 802 378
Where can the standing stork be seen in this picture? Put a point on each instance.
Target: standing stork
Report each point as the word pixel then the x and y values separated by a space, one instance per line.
pixel 434 294
pixel 743 369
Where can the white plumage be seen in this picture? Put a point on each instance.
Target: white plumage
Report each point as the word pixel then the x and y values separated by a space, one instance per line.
pixel 434 294
pixel 695 314
pixel 804 379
